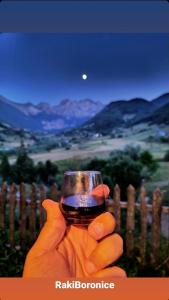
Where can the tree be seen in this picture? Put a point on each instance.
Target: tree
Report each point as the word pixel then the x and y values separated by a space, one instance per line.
pixel 146 158
pixel 124 167
pixel 123 170
pixel 51 170
pixel 24 170
pixel 166 156
pixel 5 168
pixel 46 172
pixel 41 172
pixel 95 164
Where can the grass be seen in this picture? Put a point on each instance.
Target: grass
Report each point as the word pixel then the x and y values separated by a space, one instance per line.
pixel 73 163
pixel 162 173
pixel 160 180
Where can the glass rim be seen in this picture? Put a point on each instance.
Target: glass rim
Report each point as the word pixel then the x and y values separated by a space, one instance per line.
pixel 81 172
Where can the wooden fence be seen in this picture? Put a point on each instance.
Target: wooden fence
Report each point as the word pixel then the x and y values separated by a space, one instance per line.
pixel 22 216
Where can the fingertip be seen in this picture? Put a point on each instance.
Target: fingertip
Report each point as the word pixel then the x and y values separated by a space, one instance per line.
pixel 52 208
pixel 119 272
pixel 48 203
pixel 102 190
pixel 119 242
pixel 111 272
pixel 106 190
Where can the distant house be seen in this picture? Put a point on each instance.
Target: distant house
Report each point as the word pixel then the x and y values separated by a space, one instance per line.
pixel 97 135
pixel 161 133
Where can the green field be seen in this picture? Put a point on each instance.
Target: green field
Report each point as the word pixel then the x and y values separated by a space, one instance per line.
pixel 160 180
pixel 101 148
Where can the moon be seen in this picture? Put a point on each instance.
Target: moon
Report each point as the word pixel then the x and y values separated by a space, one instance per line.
pixel 84 76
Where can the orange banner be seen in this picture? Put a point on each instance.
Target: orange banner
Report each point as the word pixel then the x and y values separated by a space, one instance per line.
pixel 124 289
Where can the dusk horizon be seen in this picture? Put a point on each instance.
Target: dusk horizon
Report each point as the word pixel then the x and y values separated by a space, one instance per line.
pixel 81 100
pixel 46 67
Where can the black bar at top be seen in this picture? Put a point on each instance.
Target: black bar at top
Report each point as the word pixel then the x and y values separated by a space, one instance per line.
pixel 84 0
pixel 84 16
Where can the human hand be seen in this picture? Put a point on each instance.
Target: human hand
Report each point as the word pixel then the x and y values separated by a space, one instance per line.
pixel 62 251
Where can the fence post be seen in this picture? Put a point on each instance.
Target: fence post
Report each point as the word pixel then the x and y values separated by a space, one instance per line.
pixel 3 200
pixel 53 192
pixel 130 220
pixel 12 204
pixel 156 225
pixel 143 213
pixel 32 220
pixel 117 208
pixel 22 190
pixel 41 209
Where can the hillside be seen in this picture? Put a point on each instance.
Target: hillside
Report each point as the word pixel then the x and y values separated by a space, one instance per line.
pixel 160 116
pixel 123 113
pixel 14 117
pixel 10 138
pixel 119 114
pixel 161 101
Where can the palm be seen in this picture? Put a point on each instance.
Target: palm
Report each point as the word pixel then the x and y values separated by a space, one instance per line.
pixel 69 257
pixel 74 249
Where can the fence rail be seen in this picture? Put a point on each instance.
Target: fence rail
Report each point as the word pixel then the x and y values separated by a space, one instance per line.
pixel 22 215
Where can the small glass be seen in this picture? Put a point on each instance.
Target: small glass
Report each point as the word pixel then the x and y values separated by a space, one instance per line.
pixel 83 197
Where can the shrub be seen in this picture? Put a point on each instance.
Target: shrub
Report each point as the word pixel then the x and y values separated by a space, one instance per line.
pixel 124 167
pixel 11 258
pixel 166 156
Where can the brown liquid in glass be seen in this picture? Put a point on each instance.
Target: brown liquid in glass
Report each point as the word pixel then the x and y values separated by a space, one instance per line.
pixel 81 215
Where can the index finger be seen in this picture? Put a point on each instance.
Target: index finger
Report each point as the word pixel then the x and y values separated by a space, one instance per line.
pixel 101 226
pixel 101 190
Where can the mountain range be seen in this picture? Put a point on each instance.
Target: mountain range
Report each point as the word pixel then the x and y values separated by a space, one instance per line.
pixel 44 117
pixel 86 115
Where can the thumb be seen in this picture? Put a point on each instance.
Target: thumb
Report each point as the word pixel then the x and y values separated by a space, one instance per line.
pixel 53 230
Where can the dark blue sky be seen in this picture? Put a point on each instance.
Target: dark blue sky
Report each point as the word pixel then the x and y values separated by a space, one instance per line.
pixel 43 67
